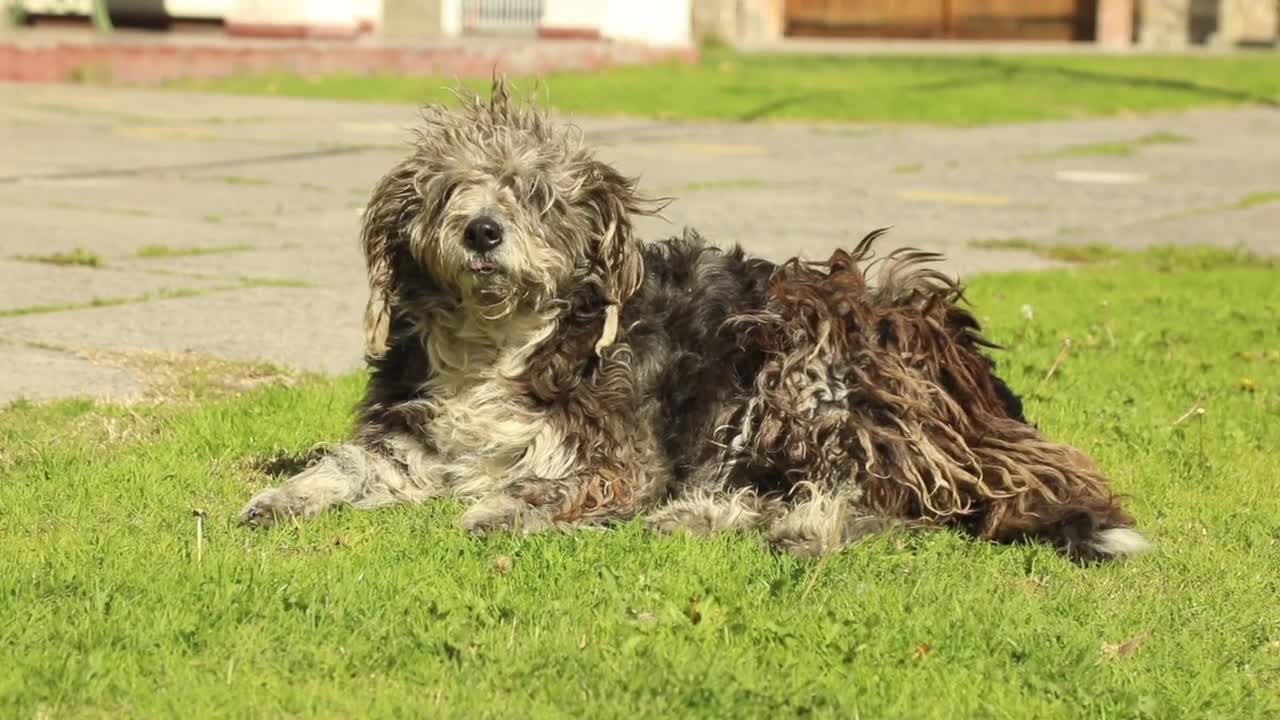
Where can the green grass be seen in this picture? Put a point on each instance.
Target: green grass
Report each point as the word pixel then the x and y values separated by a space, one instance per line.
pixel 164 251
pixel 1122 148
pixel 952 90
pixel 77 256
pixel 725 184
pixel 104 610
pixel 1257 199
pixel 162 294
pixel 1063 252
pixel 114 210
pixel 97 302
pixel 62 307
pixel 242 180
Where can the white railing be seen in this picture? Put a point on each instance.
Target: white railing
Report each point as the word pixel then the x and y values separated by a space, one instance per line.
pixel 501 17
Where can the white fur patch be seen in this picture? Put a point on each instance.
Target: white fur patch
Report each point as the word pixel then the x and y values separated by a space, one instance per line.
pixel 703 512
pixel 484 431
pixel 1120 541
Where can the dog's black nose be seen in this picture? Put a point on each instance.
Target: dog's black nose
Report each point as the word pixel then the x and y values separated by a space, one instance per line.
pixel 483 234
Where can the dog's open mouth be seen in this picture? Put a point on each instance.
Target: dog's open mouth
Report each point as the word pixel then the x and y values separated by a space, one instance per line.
pixel 480 266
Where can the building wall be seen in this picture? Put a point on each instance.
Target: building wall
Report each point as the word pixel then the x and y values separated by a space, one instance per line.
pixel 714 18
pixel 655 22
pixel 1248 22
pixel 738 20
pixel 661 23
pixel 1174 24
pixel 409 19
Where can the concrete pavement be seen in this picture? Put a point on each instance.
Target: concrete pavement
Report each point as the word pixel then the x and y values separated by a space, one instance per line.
pixel 226 226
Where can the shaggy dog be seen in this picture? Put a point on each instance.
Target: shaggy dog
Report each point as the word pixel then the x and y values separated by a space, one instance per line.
pixel 530 355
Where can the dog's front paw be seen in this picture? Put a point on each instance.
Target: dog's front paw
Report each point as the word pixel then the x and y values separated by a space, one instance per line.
pixel 820 528
pixel 503 513
pixel 266 509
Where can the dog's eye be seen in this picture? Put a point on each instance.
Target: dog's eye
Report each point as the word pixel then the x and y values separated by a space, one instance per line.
pixel 538 195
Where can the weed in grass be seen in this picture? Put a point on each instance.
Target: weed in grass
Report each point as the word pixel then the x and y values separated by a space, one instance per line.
pixel 1257 199
pixel 162 294
pixel 78 256
pixel 1063 252
pixel 1117 149
pixel 242 180
pixel 96 302
pixel 113 210
pixel 398 612
pixel 724 184
pixel 165 251
pixel 1248 202
pixel 247 281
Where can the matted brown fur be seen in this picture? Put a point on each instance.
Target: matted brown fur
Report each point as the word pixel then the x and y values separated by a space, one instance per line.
pixel 920 428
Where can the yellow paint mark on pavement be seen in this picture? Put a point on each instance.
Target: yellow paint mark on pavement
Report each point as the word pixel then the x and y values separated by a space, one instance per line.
pixel 955 198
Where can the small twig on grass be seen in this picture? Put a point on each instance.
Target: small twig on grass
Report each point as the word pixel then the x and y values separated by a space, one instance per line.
pixel 813 578
pixel 231 668
pixel 833 542
pixel 1197 409
pixel 1057 362
pixel 200 516
pixel 1204 463
pixel 1028 314
pixel 1106 324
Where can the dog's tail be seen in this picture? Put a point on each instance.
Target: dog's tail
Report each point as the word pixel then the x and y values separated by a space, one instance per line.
pixel 1117 543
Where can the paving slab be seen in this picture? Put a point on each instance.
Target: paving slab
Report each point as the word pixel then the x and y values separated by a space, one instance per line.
pixel 337 266
pixel 36 374
pixel 309 329
pixel 35 285
pixel 113 235
pixel 279 184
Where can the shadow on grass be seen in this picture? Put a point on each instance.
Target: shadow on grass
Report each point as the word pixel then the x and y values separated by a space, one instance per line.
pixel 987 71
pixel 1160 83
pixel 283 464
pixel 764 111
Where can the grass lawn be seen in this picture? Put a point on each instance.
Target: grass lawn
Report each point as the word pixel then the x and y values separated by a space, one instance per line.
pixel 945 89
pixel 105 611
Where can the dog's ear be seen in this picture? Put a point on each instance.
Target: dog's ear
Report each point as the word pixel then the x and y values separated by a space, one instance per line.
pixel 617 252
pixel 394 202
pixel 615 200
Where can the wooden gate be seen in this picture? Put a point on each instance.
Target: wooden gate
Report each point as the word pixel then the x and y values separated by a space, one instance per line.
pixel 959 19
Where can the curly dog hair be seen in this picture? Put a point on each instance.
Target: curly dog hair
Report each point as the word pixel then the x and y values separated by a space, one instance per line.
pixel 531 356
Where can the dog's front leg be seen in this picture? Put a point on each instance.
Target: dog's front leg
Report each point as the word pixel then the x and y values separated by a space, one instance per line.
pixel 511 509
pixel 398 470
pixel 591 497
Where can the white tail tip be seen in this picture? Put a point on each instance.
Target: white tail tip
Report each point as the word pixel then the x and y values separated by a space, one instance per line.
pixel 1119 541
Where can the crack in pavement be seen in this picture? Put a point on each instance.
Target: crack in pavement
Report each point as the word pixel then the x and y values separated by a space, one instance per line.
pixel 182 167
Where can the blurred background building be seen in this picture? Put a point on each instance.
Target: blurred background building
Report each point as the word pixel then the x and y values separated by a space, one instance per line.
pixel 1158 24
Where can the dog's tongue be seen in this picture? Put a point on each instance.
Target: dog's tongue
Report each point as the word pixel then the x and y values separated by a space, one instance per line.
pixel 482 266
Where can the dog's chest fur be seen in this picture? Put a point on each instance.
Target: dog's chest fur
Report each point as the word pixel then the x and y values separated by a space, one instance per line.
pixel 482 427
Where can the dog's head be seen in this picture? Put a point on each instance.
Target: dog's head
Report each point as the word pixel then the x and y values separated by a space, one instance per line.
pixel 497 211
